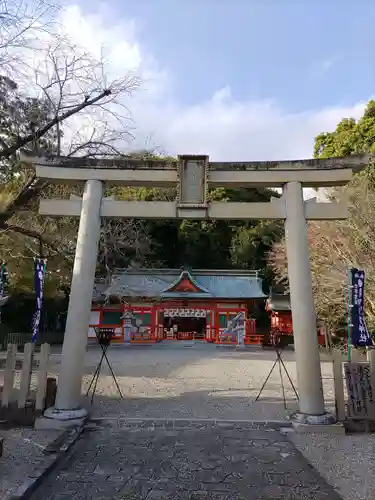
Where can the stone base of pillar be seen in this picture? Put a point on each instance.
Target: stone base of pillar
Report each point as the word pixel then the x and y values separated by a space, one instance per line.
pixel 317 424
pixel 61 419
pixel 303 418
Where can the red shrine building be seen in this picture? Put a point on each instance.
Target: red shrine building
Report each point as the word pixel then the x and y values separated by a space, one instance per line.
pixel 280 311
pixel 153 305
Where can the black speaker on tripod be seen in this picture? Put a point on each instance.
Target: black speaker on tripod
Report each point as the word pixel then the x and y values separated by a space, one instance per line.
pixel 104 337
pixel 275 341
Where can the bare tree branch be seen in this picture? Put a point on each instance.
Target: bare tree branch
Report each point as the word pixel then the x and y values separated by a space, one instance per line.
pixel 6 152
pixel 62 100
pixel 22 23
pixel 31 234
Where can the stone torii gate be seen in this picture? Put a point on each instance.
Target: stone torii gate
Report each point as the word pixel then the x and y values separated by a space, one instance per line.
pixel 193 175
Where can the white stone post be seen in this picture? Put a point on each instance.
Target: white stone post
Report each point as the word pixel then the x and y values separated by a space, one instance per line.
pixel 68 398
pixel 310 390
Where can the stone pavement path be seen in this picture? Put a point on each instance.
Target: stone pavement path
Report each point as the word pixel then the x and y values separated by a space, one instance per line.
pixel 184 461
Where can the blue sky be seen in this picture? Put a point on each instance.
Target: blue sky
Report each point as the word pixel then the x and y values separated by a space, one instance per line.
pixel 236 78
pixel 304 54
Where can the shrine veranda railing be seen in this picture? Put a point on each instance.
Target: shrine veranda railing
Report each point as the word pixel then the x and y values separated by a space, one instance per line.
pixel 217 321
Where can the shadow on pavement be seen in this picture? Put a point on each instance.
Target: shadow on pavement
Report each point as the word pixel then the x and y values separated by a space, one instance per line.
pixel 203 404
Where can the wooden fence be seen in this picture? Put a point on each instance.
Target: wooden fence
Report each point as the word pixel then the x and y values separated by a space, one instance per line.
pixel 354 385
pixel 29 359
pixel 19 339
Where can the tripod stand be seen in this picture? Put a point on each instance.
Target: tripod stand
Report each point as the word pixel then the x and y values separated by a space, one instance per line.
pixel 278 361
pixel 104 337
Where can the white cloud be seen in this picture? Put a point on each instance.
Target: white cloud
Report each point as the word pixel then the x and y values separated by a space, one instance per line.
pixel 224 127
pixel 238 130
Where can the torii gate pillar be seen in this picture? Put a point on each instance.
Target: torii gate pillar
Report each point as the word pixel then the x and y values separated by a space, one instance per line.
pixel 68 406
pixel 310 389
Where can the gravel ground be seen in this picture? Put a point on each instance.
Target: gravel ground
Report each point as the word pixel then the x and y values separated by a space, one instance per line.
pixel 22 455
pixel 201 381
pixel 195 381
pixel 346 462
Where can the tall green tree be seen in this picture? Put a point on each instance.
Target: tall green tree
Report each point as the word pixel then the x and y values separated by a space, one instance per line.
pixel 349 137
pixel 217 244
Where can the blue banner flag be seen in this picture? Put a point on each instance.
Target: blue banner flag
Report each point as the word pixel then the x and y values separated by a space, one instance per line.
pixel 360 336
pixel 39 274
pixel 3 279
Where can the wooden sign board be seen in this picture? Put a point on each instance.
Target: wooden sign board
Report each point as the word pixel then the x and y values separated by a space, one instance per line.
pixel 361 403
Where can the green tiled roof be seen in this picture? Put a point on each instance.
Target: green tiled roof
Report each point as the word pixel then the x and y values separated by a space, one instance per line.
pixel 154 283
